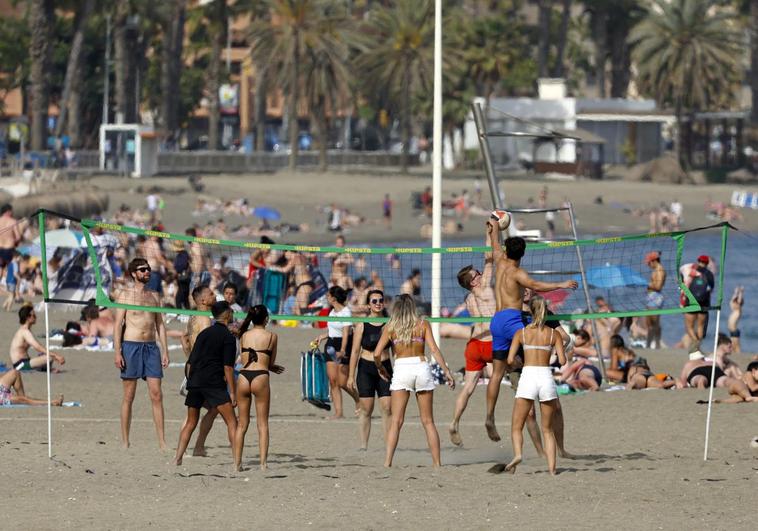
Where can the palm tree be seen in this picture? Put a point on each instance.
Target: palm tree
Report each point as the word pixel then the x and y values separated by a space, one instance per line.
pixel 125 64
pixel 687 54
pixel 171 64
pixel 400 59
pixel 218 26
pixel 41 14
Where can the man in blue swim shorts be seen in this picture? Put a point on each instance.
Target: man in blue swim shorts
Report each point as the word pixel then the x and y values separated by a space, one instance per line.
pixel 510 281
pixel 137 354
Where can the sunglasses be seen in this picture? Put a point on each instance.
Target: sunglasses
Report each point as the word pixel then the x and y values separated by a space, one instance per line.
pixel 143 269
pixel 377 301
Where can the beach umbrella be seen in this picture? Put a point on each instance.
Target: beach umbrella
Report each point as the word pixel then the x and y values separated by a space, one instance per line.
pixel 612 276
pixel 62 238
pixel 556 297
pixel 267 212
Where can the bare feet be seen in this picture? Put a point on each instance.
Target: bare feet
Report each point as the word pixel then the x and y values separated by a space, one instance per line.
pixel 553 472
pixel 264 466
pixel 335 417
pixel 492 433
pixel 565 455
pixel 511 467
pixel 177 461
pixel 58 401
pixel 125 445
pixel 200 452
pixel 162 446
pixel 455 436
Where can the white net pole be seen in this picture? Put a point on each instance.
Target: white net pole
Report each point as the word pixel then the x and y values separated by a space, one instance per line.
pixel 437 170
pixel 49 407
pixel 713 378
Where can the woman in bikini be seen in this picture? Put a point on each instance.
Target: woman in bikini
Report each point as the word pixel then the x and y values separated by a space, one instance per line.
pixel 536 381
pixel 639 376
pixel 367 382
pixel 258 355
pixel 621 360
pixel 408 334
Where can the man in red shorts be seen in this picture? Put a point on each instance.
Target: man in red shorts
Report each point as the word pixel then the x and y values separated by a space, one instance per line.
pixel 480 302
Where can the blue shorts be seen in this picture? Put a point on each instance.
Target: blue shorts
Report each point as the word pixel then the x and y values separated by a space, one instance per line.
pixel 504 325
pixel 142 359
pixel 155 283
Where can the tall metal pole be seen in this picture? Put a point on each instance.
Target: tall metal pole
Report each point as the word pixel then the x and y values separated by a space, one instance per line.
pixel 481 130
pixel 437 170
pixel 107 74
pixel 45 294
pixel 713 379
pixel 586 289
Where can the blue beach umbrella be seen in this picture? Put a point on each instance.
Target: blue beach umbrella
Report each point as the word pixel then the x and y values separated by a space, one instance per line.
pixel 267 212
pixel 612 276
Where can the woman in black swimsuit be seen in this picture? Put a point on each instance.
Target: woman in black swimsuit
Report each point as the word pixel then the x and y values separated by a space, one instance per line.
pixel 368 383
pixel 258 354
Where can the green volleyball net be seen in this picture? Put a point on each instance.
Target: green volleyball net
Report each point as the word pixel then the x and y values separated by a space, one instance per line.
pixel 292 280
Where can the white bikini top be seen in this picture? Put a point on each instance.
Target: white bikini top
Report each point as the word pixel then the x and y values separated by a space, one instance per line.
pixel 546 348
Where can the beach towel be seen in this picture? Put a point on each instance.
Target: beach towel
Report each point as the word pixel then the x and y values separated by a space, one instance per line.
pixel 314 382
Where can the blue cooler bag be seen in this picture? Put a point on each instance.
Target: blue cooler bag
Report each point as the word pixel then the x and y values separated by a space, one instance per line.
pixel 314 383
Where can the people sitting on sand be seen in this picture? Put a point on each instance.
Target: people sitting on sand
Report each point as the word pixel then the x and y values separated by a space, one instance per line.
pixel 750 377
pixel 724 349
pixel 12 392
pixel 639 376
pixel 582 375
pixel 621 360
pixel 697 373
pixel 583 344
pixel 735 305
pixel 96 324
pixel 24 339
pixel 606 326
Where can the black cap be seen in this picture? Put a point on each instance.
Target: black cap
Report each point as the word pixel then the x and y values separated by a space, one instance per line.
pixel 218 308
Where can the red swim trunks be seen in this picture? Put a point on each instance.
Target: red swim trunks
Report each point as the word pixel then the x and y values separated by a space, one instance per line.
pixel 478 354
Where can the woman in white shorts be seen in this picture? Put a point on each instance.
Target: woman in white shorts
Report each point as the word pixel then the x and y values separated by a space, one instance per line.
pixel 536 381
pixel 408 334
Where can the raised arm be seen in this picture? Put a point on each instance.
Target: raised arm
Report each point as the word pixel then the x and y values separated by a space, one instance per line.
pixel 488 263
pixel 528 282
pixel 494 237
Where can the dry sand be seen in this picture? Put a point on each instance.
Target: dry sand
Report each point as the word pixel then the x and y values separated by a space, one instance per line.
pixel 640 453
pixel 298 195
pixel 639 466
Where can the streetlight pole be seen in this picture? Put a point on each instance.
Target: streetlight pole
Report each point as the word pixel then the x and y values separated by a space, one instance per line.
pixel 107 75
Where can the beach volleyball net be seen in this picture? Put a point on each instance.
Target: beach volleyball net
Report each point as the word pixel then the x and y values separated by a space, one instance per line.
pixel 86 259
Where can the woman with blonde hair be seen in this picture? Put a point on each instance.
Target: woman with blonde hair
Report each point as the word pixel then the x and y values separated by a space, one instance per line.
pixel 536 383
pixel 409 334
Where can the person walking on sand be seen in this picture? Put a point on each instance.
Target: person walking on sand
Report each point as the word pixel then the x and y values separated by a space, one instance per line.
pixel 654 298
pixel 367 383
pixel 137 353
pixel 480 302
pixel 408 334
pixel 536 383
pixel 258 351
pixel 24 339
pixel 510 281
pixel 210 377
pixel 338 348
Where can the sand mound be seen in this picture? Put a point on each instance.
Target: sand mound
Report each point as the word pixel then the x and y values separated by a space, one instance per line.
pixel 665 169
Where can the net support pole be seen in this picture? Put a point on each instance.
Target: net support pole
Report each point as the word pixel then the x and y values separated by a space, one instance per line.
pixel 43 267
pixel 713 378
pixel 586 290
pixel 484 146
pixel 437 170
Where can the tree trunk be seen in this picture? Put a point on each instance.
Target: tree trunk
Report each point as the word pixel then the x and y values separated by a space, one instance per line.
pixel 294 92
pixel 621 62
pixel 679 135
pixel 40 26
pixel 214 72
pixel 601 47
pixel 406 118
pixel 260 108
pixel 73 65
pixel 124 64
pixel 321 133
pixel 754 62
pixel 171 67
pixel 543 44
pixel 559 69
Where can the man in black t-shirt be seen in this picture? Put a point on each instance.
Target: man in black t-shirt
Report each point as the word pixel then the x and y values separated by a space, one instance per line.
pixel 700 283
pixel 210 376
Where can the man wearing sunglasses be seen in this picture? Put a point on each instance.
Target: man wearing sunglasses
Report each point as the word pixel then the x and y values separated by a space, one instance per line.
pixel 137 354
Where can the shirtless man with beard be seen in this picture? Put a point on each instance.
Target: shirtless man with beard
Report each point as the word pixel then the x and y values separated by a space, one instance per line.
pixel 137 354
pixel 340 264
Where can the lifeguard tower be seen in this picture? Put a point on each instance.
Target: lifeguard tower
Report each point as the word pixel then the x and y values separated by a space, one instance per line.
pixel 129 149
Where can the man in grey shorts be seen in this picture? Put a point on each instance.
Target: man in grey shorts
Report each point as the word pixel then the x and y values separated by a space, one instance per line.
pixel 137 354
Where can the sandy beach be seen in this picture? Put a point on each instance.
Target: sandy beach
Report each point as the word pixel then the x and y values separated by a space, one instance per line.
pixel 639 454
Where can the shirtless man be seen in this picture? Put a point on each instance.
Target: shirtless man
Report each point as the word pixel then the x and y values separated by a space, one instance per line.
pixel 137 354
pixel 11 233
pixel 510 281
pixel 297 264
pixel 152 252
pixel 24 339
pixel 735 305
pixel 204 298
pixel 480 302
pixel 654 298
pixel 97 325
pixel 199 261
pixel 697 373
pixel 340 264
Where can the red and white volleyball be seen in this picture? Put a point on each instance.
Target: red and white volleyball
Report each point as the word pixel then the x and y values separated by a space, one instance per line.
pixel 502 218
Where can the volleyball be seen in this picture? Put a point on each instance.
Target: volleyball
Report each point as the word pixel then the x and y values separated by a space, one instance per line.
pixel 754 443
pixel 502 218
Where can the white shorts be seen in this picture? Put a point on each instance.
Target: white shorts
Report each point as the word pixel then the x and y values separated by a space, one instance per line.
pixel 536 383
pixel 412 374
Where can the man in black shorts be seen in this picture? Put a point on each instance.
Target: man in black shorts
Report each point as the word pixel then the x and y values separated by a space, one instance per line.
pixel 210 376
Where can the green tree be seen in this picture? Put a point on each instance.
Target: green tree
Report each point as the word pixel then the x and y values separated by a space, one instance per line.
pixel 688 54
pixel 14 55
pixel 41 19
pixel 172 42
pixel 400 59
